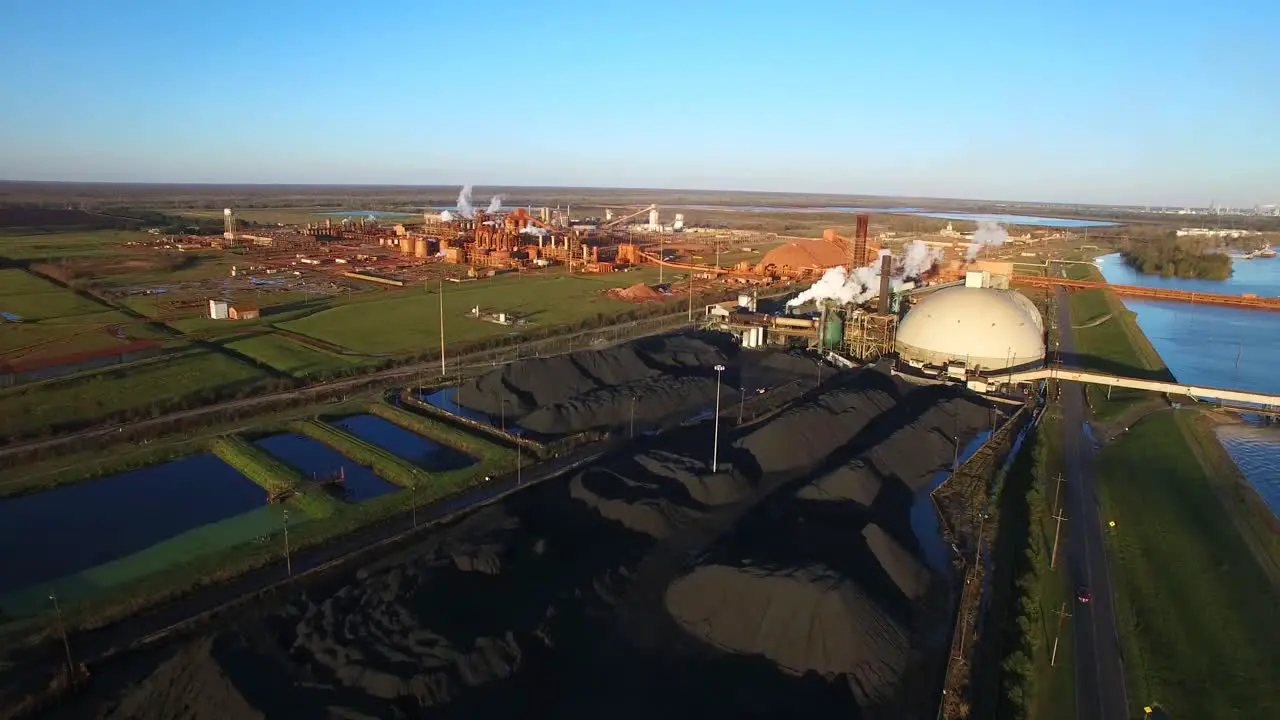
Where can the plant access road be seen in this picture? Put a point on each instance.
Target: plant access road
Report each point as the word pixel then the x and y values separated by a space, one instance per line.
pixel 1100 688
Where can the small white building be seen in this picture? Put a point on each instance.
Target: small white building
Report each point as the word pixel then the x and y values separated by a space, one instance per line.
pixel 218 309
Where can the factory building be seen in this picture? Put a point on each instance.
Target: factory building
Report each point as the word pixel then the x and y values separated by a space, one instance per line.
pixel 983 328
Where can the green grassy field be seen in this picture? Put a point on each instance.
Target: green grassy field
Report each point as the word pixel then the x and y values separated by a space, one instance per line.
pixel 1054 697
pixel 1196 615
pixel 292 357
pixel 56 321
pixel 409 321
pixel 90 244
pixel 89 396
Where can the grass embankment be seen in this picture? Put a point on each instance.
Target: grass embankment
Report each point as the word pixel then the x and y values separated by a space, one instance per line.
pixel 141 390
pixel 479 448
pixel 274 475
pixel 112 458
pixel 1116 346
pixel 1195 612
pixel 288 356
pixel 1016 680
pixel 431 486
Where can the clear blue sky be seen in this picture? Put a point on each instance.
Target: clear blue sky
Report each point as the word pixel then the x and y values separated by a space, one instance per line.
pixel 1112 101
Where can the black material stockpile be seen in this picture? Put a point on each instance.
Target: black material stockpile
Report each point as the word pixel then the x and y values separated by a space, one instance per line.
pixel 662 380
pixel 787 584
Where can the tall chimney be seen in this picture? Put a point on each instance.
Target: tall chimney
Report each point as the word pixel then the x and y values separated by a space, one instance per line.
pixel 886 268
pixel 860 241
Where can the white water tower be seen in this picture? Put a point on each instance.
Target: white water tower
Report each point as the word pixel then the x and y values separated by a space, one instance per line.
pixel 654 220
pixel 228 224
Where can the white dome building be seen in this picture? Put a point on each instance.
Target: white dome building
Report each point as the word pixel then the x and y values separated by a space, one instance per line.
pixel 985 328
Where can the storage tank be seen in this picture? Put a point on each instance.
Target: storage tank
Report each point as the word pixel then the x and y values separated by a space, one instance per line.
pixel 420 247
pixel 833 332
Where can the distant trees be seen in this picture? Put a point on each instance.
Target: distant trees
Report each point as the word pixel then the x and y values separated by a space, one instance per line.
pixel 1178 257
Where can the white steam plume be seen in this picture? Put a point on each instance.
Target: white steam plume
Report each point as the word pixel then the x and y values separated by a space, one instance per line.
pixel 989 234
pixel 918 258
pixel 495 204
pixel 464 203
pixel 846 288
pixel 533 230
pixel 446 216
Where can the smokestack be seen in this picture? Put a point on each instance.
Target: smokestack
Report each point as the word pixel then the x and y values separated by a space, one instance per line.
pixel 860 240
pixel 886 269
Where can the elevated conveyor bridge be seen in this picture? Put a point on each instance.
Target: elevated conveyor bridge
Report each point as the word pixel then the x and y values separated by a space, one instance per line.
pixel 1237 399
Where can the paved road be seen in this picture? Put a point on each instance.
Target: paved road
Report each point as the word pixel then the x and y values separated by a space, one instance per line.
pixel 1100 690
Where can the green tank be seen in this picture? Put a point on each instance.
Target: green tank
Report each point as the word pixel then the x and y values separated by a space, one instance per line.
pixel 833 332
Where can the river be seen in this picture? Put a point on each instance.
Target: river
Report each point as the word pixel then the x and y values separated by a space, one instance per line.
pixel 1221 347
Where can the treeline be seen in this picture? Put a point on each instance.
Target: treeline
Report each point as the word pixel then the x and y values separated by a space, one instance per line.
pixel 1178 257
pixel 1005 677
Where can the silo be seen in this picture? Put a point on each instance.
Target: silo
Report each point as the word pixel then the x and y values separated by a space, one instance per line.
pixel 833 331
pixel 420 247
pixel 406 245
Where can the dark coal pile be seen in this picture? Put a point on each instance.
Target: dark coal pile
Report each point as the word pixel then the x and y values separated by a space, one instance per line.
pixel 783 585
pixel 658 382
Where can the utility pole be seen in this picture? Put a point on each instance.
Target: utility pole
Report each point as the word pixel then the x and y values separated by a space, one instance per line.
pixel 442 371
pixel 715 443
pixel 1057 492
pixel 1057 533
pixel 742 398
pixel 288 560
pixel 413 490
pixel 519 465
pixel 66 644
pixel 633 417
pixel 1062 615
pixel 662 256
pixel 690 295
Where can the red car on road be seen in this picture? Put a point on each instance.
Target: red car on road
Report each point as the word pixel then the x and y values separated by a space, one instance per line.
pixel 1082 594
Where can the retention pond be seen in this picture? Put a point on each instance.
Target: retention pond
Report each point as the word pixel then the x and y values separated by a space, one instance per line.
pixel 316 459
pixel 405 443
pixel 68 530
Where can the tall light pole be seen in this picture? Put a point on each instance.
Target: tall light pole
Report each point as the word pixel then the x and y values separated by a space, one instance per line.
pixel 413 490
pixel 715 442
pixel 66 644
pixel 288 560
pixel 442 371
pixel 633 417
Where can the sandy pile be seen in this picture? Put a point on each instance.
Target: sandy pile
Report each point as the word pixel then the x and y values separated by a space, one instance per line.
pixel 787 583
pixel 636 293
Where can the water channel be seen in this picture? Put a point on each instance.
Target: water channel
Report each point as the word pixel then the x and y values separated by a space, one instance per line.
pixel 1220 347
pixel 66 530
pixel 316 459
pixel 404 443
